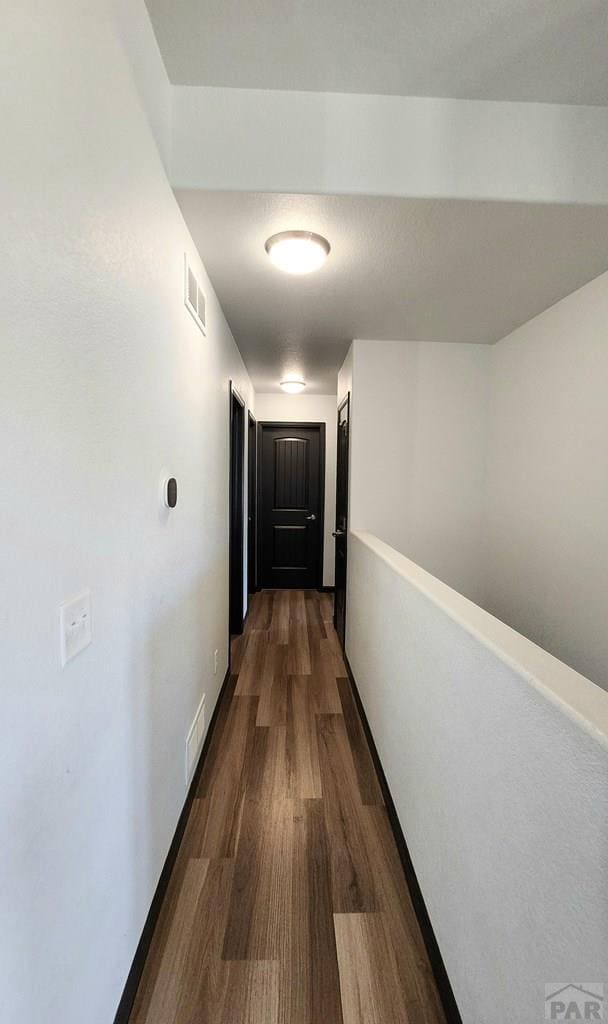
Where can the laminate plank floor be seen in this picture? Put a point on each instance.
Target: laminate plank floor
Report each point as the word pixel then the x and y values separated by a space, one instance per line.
pixel 287 903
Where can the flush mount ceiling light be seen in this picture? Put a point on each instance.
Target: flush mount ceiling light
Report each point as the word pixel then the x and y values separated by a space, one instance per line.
pixel 293 385
pixel 297 252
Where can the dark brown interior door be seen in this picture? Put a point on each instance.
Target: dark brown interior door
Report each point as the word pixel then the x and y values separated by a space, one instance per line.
pixel 341 531
pixel 291 494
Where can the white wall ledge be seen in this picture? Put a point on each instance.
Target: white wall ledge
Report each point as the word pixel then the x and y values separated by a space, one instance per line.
pixel 577 697
pixel 496 757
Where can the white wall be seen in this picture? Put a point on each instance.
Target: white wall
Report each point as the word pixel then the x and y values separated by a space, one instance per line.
pixel 418 430
pixel 106 383
pixel 485 465
pixel 311 409
pixel 497 759
pixel 150 78
pixel 547 480
pixel 345 377
pixel 348 143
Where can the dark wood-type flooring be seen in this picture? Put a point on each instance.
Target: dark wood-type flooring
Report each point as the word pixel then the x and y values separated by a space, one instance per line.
pixel 287 902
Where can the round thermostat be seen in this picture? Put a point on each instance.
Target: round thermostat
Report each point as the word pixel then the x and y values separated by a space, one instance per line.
pixel 170 492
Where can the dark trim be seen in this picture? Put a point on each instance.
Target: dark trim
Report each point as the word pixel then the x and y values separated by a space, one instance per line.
pixel 245 617
pixel 291 423
pixel 236 512
pixel 344 403
pixel 326 590
pixel 323 471
pixel 127 1000
pixel 444 988
pixel 322 445
pixel 252 506
pixel 237 394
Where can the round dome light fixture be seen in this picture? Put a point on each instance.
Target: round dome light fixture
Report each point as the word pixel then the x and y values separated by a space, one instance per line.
pixel 297 252
pixel 293 386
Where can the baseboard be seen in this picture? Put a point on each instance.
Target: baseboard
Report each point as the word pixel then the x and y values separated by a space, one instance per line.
pixel 444 988
pixel 127 1000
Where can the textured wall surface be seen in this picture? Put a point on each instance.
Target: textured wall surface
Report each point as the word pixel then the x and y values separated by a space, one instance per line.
pixel 497 759
pixel 106 385
pixel 546 511
pixel 418 441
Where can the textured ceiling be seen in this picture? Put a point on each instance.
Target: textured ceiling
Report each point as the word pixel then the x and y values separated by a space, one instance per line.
pixel 420 270
pixel 547 50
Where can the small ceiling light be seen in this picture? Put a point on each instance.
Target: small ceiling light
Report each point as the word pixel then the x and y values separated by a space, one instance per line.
pixel 293 386
pixel 297 252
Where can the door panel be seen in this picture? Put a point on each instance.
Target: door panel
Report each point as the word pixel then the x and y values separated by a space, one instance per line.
pixel 341 531
pixel 291 472
pixel 291 478
pixel 290 548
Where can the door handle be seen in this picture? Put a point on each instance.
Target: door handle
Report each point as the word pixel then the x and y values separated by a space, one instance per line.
pixel 311 517
pixel 338 533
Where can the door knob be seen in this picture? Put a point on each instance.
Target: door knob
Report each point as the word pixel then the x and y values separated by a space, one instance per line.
pixel 312 516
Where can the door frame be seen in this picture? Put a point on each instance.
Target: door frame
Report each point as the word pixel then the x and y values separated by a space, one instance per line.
pixel 345 402
pixel 297 425
pixel 236 512
pixel 252 503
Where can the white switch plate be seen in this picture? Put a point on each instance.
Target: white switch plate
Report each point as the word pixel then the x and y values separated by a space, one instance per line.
pixel 215 657
pixel 75 626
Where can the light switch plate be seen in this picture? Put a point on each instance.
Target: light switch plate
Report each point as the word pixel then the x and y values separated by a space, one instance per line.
pixel 75 626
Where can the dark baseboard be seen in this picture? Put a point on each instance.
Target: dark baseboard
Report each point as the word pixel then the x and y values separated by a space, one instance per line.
pixel 127 1000
pixel 450 1008
pixel 326 590
pixel 237 632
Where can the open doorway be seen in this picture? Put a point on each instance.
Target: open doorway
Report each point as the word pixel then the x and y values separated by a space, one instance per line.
pixel 341 531
pixel 252 485
pixel 291 501
pixel 236 499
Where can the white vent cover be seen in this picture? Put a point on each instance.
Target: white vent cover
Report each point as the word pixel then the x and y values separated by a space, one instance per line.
pixel 194 297
pixel 194 740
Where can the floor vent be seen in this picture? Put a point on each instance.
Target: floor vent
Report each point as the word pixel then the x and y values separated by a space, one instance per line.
pixel 194 740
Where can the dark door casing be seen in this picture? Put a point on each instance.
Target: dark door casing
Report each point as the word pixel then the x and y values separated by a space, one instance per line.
pixel 252 461
pixel 341 531
pixel 291 500
pixel 236 541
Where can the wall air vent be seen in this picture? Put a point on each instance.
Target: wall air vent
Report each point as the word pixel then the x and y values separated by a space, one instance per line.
pixel 194 297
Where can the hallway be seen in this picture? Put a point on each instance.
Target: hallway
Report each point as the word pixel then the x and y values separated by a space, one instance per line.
pixel 287 901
